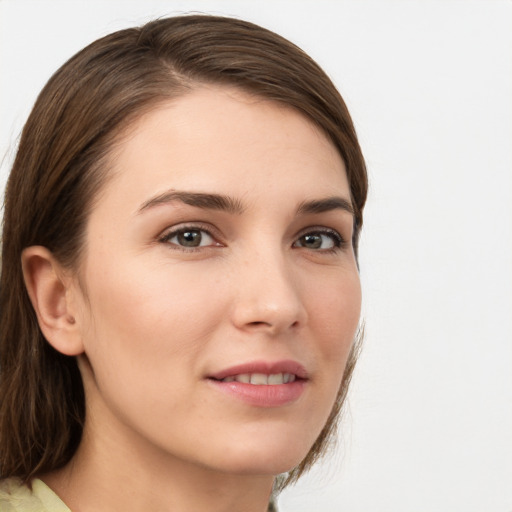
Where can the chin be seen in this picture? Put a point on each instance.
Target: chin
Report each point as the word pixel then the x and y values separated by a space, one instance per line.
pixel 272 466
pixel 270 456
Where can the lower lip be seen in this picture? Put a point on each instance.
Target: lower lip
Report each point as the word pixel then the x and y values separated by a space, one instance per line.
pixel 275 395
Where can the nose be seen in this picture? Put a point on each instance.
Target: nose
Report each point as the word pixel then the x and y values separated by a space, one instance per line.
pixel 268 298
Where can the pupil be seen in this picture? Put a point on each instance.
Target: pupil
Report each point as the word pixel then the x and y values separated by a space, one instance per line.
pixel 313 241
pixel 190 238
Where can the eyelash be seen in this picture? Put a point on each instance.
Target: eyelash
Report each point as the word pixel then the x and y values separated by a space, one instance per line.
pixel 167 237
pixel 339 241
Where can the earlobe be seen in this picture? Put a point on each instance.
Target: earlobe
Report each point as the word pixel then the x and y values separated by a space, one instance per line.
pixel 51 294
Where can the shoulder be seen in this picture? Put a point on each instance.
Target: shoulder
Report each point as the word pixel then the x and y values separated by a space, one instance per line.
pixel 18 497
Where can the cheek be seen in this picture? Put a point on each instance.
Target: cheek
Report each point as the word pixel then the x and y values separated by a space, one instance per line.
pixel 335 310
pixel 334 317
pixel 145 318
pixel 146 342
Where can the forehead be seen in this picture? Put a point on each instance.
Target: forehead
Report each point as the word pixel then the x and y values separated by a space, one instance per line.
pixel 217 138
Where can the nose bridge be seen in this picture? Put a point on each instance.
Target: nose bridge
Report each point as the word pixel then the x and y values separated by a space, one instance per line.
pixel 269 296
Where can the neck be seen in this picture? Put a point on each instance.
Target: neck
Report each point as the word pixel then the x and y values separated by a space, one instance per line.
pixel 114 471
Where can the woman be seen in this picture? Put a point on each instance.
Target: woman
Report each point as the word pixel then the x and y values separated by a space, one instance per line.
pixel 179 293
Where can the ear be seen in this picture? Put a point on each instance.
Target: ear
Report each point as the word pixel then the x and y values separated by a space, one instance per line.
pixel 53 296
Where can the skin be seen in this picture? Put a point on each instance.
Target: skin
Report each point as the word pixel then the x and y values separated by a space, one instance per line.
pixel 150 320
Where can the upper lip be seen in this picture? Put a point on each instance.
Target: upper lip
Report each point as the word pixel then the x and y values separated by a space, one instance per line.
pixel 265 367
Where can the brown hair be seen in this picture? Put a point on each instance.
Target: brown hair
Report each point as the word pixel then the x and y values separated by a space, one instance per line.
pixel 60 167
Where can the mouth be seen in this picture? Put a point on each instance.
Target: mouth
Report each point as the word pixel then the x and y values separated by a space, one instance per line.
pixel 261 373
pixel 261 379
pixel 262 384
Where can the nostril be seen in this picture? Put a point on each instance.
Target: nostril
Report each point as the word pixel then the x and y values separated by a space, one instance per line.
pixel 260 324
pixel 270 325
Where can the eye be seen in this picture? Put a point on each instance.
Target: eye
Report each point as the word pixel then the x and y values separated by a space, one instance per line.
pixel 189 237
pixel 320 240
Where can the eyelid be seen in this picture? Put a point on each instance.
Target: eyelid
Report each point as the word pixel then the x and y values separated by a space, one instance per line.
pixel 339 240
pixel 173 231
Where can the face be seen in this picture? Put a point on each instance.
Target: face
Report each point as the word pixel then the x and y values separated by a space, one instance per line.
pixel 221 289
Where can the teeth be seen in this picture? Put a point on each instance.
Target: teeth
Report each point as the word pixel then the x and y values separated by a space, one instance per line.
pixel 276 378
pixel 259 379
pixel 262 379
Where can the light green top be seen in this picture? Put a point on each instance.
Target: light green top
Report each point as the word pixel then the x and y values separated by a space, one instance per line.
pixel 16 497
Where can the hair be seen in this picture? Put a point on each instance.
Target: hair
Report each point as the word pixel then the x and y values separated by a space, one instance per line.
pixel 61 165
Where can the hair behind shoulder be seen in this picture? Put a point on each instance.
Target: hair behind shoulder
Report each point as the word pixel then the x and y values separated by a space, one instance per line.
pixel 62 163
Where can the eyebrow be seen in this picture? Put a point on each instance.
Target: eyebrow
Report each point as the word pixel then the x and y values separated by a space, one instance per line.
pixel 197 199
pixel 232 205
pixel 326 205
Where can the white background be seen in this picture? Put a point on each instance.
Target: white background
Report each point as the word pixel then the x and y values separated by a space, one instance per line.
pixel 429 84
